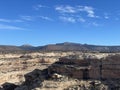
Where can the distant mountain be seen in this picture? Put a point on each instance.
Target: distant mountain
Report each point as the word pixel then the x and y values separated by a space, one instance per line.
pixel 67 46
pixel 8 48
pixel 27 47
pixel 64 47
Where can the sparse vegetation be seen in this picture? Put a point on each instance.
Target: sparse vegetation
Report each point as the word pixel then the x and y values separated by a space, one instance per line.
pixel 14 67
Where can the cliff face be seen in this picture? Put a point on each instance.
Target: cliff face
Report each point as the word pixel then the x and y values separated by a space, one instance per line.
pixel 14 66
pixel 111 67
pixel 81 72
pixel 70 72
pixel 105 68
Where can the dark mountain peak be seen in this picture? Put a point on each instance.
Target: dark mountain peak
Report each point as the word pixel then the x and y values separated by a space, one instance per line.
pixel 26 45
pixel 68 43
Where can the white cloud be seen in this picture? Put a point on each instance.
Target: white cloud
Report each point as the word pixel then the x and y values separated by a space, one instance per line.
pixel 9 27
pixel 72 19
pixel 81 20
pixel 65 9
pixel 89 24
pixel 46 18
pixel 106 16
pixel 34 18
pixel 27 18
pixel 18 20
pixel 90 11
pixel 9 21
pixel 4 20
pixel 68 19
pixel 95 24
pixel 77 9
pixel 37 7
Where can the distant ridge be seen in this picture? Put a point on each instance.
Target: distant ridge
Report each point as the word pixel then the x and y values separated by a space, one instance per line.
pixel 66 46
pixel 27 47
pixel 8 48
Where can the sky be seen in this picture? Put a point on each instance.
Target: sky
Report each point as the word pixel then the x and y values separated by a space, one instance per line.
pixel 41 22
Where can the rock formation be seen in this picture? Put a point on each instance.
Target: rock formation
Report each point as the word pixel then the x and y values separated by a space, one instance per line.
pixel 81 72
pixel 88 68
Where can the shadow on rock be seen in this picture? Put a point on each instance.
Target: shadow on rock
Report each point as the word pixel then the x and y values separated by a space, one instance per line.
pixel 33 79
pixel 81 69
pixel 8 86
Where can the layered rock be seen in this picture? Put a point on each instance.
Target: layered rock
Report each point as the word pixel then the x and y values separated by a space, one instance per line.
pixel 70 72
pixel 88 68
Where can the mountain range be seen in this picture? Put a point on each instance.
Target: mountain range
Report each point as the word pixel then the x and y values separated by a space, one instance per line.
pixel 66 46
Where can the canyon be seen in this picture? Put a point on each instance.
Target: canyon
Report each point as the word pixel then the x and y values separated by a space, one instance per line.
pixel 59 70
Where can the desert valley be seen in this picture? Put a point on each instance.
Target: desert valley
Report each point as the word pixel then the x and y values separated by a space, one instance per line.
pixel 70 66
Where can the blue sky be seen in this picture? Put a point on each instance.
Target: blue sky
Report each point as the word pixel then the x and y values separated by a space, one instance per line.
pixel 40 22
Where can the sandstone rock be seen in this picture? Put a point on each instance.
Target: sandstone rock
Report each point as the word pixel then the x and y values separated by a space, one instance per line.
pixel 107 68
pixel 84 66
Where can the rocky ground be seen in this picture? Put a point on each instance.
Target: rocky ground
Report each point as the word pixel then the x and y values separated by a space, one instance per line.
pixel 15 70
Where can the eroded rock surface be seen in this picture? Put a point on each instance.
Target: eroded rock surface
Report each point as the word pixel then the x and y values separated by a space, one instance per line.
pixel 73 71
